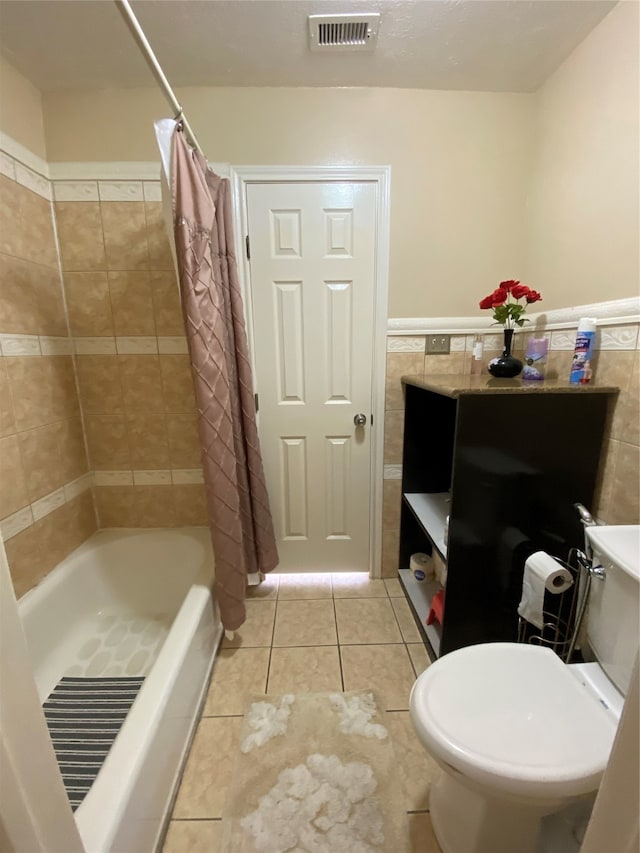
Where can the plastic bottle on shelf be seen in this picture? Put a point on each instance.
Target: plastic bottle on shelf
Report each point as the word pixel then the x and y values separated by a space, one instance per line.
pixel 581 364
pixel 476 355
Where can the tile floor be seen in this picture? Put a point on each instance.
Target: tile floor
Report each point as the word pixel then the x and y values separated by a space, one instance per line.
pixel 307 633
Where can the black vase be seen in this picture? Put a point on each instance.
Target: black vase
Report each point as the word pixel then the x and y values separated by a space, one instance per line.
pixel 506 366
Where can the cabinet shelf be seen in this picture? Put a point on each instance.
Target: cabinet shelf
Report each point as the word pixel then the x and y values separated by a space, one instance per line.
pixel 431 510
pixel 419 595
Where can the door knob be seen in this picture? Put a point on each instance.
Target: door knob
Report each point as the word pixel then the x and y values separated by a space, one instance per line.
pixel 360 419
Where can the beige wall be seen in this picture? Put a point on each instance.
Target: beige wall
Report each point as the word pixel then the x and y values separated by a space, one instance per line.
pixel 21 110
pixel 583 222
pixel 42 452
pixel 460 162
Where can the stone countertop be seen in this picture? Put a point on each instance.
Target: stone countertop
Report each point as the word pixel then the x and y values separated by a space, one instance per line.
pixel 459 384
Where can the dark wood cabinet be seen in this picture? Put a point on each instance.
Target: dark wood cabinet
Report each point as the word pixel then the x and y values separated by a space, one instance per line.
pixel 506 462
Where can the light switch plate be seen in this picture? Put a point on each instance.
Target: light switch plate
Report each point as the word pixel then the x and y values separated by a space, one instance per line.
pixel 438 344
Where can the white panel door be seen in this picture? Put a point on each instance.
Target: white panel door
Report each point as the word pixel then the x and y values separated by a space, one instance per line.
pixel 312 285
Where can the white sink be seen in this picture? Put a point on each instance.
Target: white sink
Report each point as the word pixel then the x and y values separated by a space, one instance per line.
pixel 618 543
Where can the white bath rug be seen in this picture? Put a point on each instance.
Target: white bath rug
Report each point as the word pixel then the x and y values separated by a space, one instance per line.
pixel 315 773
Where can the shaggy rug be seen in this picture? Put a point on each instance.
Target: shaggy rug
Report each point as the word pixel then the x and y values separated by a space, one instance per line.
pixel 315 773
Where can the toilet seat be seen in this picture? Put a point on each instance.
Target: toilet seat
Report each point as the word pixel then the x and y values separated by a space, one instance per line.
pixel 512 717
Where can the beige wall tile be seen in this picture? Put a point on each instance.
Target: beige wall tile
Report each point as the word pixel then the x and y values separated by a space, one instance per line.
pixel 43 389
pixel 125 235
pixel 190 502
pixel 399 364
pixel 141 383
pixel 7 420
pixel 184 441
pixel 307 669
pixel 237 675
pixel 100 386
pixel 167 309
pixel 393 437
pixel 148 441
pixel 157 240
pixel 38 549
pixel 131 303
pixel 107 439
pixel 391 500
pixel 390 547
pixel 80 237
pixel 444 364
pixel 26 224
pixel 88 303
pixel 13 484
pixel 624 506
pixel 116 506
pixel 53 455
pixel 30 298
pixel 559 364
pixel 615 368
pixel 606 476
pixel 630 404
pixel 153 506
pixel 177 383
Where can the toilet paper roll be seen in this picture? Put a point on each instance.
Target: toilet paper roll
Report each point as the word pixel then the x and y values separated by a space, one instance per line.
pixel 541 574
pixel 421 566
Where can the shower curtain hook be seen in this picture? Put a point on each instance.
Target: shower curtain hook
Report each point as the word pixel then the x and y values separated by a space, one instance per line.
pixel 179 119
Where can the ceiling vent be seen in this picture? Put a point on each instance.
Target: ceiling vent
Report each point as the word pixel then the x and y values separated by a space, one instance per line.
pixel 343 32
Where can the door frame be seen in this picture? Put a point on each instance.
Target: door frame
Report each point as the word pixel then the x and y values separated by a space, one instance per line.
pixel 241 177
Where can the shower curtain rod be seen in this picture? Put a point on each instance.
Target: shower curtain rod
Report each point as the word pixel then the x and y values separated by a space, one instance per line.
pixel 124 7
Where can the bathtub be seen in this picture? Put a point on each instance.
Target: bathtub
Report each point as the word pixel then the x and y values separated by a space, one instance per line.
pixel 131 603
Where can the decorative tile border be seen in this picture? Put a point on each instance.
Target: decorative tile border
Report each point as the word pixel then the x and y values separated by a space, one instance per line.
pixel 392 472
pixel 141 345
pixel 152 191
pixel 38 345
pixel 28 515
pixel 154 477
pixel 120 191
pixel 34 345
pixel 75 191
pixel 7 166
pixel 405 343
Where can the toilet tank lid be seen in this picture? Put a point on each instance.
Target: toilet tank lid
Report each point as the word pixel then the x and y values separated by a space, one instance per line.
pixel 619 543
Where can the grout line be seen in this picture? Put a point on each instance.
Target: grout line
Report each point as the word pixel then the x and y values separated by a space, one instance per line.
pixel 198 819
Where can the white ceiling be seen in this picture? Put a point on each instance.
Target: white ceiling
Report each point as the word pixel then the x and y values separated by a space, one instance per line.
pixel 488 45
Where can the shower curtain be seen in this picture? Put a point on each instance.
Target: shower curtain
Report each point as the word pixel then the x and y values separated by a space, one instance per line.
pixel 238 505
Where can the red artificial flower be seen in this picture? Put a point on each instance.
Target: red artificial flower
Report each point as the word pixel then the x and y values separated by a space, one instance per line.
pixel 499 296
pixel 487 302
pixel 520 290
pixel 509 284
pixel 533 296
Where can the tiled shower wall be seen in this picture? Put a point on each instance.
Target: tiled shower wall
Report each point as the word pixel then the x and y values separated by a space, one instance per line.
pixel 133 369
pixel 618 363
pixel 46 507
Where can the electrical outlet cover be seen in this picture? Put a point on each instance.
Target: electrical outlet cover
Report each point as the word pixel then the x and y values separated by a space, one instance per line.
pixel 438 344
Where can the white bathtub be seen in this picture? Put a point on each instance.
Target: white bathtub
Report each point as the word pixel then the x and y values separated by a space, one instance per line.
pixel 131 603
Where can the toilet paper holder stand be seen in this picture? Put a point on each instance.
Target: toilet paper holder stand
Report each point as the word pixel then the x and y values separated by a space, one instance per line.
pixel 560 630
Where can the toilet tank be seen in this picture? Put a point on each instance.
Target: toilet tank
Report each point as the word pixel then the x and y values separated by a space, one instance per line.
pixel 614 612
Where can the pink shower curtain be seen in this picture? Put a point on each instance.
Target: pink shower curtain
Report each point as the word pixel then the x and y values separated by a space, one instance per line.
pixel 238 504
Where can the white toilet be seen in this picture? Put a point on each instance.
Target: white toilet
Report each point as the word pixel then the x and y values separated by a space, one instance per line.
pixel 517 733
